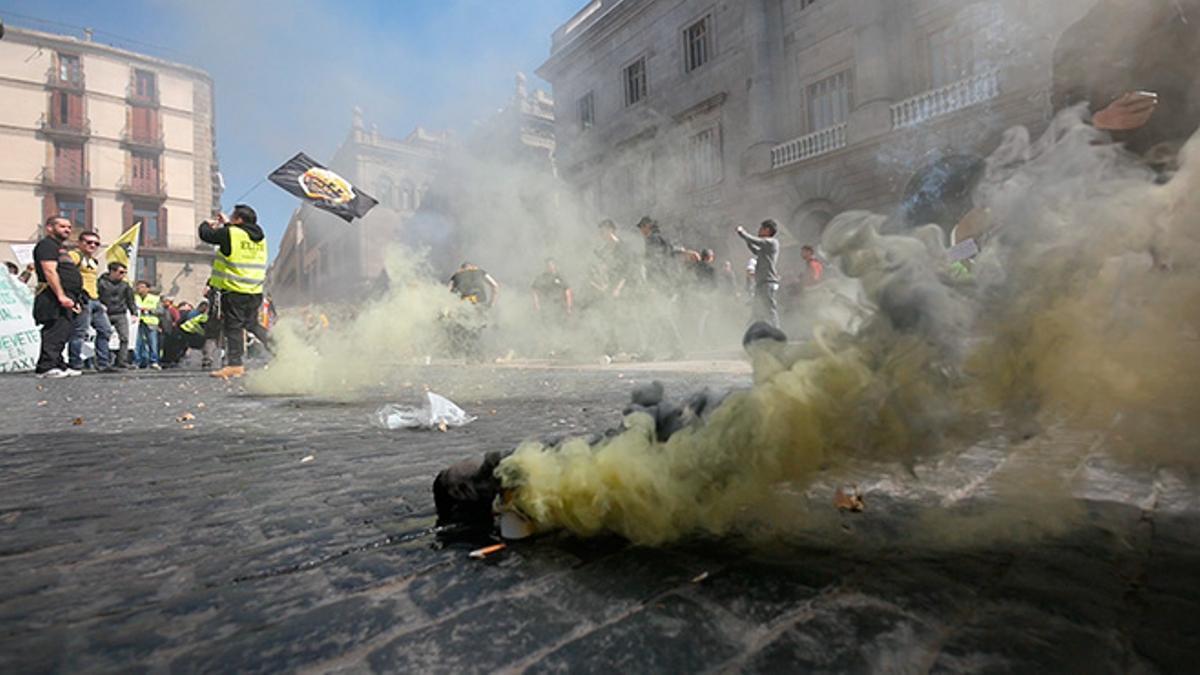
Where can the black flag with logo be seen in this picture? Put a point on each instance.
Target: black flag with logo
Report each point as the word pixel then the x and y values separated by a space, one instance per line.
pixel 322 188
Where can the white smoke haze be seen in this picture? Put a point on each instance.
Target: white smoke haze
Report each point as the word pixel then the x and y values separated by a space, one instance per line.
pixel 1080 319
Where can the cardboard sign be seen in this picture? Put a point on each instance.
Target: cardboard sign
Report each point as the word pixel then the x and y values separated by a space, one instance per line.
pixel 24 253
pixel 963 250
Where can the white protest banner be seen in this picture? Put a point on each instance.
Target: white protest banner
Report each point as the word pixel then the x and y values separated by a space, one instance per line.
pixel 20 339
pixel 24 253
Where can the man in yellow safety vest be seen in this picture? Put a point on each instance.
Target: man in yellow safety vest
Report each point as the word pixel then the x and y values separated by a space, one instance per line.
pixel 150 311
pixel 239 271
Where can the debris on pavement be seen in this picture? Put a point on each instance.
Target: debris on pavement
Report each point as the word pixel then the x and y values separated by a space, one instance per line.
pixel 78 421
pixel 438 413
pixel 481 553
pixel 42 403
pixel 188 426
pixel 306 459
pixel 849 501
pixel 699 577
pixel 185 417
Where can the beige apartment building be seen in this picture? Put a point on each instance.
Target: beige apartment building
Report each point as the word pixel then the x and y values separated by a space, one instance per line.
pixel 710 114
pixel 108 138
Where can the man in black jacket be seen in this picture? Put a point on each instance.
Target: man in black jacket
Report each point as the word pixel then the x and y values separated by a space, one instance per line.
pixel 117 297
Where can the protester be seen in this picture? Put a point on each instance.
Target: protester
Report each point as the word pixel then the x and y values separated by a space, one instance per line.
pixel 59 290
pixel 662 273
pixel 814 268
pixel 189 336
pixel 116 295
pixel 473 284
pixel 729 280
pixel 91 311
pixel 150 314
pixel 239 271
pixel 552 295
pixel 765 248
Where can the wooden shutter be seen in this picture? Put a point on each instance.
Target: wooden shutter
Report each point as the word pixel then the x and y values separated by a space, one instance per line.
pixel 75 109
pixel 49 206
pixel 126 215
pixel 89 218
pixel 162 226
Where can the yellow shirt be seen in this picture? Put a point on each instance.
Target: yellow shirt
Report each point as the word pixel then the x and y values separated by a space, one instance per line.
pixel 89 269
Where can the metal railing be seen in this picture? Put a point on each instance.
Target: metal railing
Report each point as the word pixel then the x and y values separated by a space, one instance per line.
pixel 143 187
pixel 964 93
pixel 61 178
pixel 148 141
pixel 74 80
pixel 133 97
pixel 809 146
pixel 77 129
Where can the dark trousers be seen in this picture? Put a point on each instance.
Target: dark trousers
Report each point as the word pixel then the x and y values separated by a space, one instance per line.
pixel 239 313
pixel 56 324
pixel 120 324
pixel 177 343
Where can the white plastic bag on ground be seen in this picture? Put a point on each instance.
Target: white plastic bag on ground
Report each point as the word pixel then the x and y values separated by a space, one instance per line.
pixel 438 411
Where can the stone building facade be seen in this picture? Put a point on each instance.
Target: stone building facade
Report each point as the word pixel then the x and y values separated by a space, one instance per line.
pixel 707 114
pixel 108 138
pixel 321 257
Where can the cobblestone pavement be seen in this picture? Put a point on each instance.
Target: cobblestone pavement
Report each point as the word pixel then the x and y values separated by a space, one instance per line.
pixel 132 541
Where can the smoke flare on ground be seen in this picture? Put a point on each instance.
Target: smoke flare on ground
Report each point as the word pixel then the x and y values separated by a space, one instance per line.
pixel 1082 313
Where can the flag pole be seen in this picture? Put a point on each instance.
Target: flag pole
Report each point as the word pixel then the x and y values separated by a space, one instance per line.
pixel 252 189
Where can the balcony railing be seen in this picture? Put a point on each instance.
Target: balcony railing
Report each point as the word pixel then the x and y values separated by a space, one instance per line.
pixel 74 80
pixel 64 178
pixel 143 140
pixel 809 146
pixel 77 129
pixel 147 188
pixel 134 98
pixel 945 100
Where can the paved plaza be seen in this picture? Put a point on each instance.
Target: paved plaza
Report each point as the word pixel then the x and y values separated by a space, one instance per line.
pixel 275 534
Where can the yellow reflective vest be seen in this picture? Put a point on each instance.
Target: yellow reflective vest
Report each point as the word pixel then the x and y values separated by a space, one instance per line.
pixel 245 268
pixel 194 325
pixel 147 308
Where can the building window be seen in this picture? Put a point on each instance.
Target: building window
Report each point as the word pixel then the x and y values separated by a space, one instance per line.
pixel 69 69
pixel 152 233
pixel 805 4
pixel 147 269
pixel 829 101
pixel 144 125
pixel 961 49
pixel 66 110
pixel 145 85
pixel 144 171
pixel 704 158
pixel 74 210
pixel 587 111
pixel 697 43
pixel 635 81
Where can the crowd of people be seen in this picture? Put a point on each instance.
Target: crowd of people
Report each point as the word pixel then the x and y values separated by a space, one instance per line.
pixel 72 299
pixel 638 296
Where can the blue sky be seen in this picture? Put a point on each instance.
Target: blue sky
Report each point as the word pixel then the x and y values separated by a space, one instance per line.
pixel 288 72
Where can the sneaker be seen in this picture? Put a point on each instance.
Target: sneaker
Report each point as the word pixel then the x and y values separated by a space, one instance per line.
pixel 53 374
pixel 155 366
pixel 71 372
pixel 229 372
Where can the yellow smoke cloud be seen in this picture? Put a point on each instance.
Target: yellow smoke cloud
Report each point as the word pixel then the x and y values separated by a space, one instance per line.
pixel 1070 324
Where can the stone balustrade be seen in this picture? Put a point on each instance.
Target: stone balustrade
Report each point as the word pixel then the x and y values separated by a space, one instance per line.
pixel 808 146
pixel 964 93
